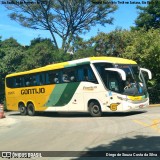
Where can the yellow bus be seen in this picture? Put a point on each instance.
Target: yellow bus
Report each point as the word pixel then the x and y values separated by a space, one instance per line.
pixel 93 84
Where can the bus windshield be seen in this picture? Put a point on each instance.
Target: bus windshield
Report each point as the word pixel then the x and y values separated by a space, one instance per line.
pixel 134 84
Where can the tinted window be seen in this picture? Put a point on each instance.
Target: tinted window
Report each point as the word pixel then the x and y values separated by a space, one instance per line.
pixel 101 67
pixel 85 73
pixel 68 75
pixel 53 77
pixel 10 82
pixel 111 80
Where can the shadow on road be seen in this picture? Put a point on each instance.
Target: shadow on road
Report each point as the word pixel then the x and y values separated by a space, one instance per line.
pixel 79 114
pixel 137 143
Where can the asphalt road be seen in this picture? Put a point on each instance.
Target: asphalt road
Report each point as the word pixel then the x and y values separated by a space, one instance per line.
pixel 133 131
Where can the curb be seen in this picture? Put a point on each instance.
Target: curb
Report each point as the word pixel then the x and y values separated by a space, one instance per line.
pixel 154 105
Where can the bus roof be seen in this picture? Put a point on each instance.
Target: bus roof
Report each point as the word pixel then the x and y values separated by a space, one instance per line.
pixel 114 60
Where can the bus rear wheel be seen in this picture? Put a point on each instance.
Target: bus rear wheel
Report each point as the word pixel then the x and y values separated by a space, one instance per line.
pixel 31 109
pixel 95 109
pixel 22 109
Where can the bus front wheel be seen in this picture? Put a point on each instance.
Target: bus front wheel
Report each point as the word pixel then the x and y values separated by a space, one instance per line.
pixel 95 109
pixel 31 109
pixel 22 109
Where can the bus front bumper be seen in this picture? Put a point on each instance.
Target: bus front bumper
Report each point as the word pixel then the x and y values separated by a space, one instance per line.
pixel 129 106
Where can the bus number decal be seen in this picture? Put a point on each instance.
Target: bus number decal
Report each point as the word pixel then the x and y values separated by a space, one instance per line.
pixel 33 91
pixel 9 93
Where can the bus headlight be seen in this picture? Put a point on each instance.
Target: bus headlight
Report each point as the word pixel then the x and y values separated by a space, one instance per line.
pixel 122 98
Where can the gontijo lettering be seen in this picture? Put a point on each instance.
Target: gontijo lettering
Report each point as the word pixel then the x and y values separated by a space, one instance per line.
pixel 33 91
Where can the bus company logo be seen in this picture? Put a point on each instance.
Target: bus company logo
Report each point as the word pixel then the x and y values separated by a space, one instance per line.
pixel 90 88
pixel 32 91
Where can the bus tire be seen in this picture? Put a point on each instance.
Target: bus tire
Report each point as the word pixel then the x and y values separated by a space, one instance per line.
pixel 31 109
pixel 95 109
pixel 22 109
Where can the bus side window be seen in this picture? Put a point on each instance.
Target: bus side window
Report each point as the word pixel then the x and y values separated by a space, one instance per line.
pixel 56 79
pixel 41 79
pixel 89 75
pixel 69 75
pixel 10 82
pixel 34 81
pixel 86 78
pixel 30 80
pixel 99 69
pixel 18 83
pixel 85 73
pixel 27 81
pixel 53 77
pixel 37 79
pixel 72 75
pixel 80 74
pixel 113 82
pixel 48 78
pixel 65 76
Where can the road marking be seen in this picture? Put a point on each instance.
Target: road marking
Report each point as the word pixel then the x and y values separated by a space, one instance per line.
pixel 154 124
pixel 141 123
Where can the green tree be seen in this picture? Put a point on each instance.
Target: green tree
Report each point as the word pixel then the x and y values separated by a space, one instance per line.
pixel 83 53
pixel 42 52
pixel 79 44
pixel 38 54
pixel 11 55
pixel 63 18
pixel 149 17
pixel 15 58
pixel 145 49
pixel 111 44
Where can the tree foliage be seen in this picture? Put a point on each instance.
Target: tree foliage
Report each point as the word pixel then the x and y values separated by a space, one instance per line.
pixel 140 45
pixel 11 55
pixel 106 44
pixel 39 53
pixel 145 49
pixel 111 44
pixel 42 52
pixel 63 18
pixel 15 58
pixel 149 17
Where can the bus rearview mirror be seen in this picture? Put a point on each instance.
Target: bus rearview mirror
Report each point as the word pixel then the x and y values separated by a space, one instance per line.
pixel 148 71
pixel 120 71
